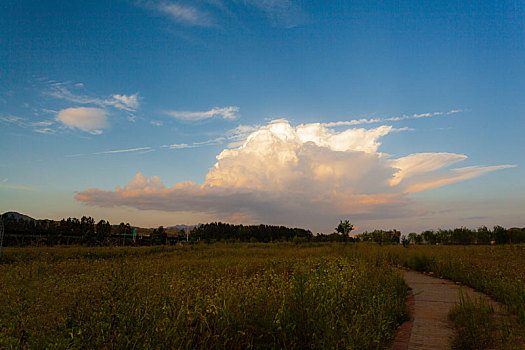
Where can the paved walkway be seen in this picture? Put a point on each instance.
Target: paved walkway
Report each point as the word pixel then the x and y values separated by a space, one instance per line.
pixel 430 302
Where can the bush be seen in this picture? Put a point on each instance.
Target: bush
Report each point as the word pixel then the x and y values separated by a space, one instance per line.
pixel 419 261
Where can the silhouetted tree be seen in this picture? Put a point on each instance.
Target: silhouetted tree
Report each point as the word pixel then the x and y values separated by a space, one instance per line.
pixel 483 236
pixel 414 238
pixel 501 235
pixel 344 228
pixel 429 237
pixel 159 236
pixel 103 233
pixel 87 229
pixel 218 231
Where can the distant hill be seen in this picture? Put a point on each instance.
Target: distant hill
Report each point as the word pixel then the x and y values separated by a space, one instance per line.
pixel 183 227
pixel 17 216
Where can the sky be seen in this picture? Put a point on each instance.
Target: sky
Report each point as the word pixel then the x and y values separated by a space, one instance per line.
pixel 391 114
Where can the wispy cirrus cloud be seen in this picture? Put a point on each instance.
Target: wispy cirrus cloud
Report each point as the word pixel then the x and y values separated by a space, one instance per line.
pixel 126 150
pixel 185 14
pixel 46 131
pixel 235 138
pixel 12 119
pixel 210 142
pixel 421 163
pixel 228 113
pixel 42 127
pixel 282 13
pixel 309 175
pixel 43 123
pixel 4 183
pixel 390 119
pixel 215 141
pixel 138 149
pixel 213 13
pixel 18 187
pixel 179 146
pixel 63 90
pixel 125 102
pixel 455 175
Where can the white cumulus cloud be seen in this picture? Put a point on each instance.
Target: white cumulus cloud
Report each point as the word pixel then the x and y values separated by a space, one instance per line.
pixel 305 175
pixel 92 120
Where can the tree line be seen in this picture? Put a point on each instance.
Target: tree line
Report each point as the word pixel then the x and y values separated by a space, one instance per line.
pixel 218 231
pixel 463 235
pixel 460 235
pixel 86 231
pixel 20 231
pixel 342 233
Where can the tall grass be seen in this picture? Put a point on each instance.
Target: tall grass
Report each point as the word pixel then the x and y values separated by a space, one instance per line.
pixel 209 296
pixel 477 326
pixel 498 271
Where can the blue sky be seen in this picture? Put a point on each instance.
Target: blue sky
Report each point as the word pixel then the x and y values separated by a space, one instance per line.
pixel 92 93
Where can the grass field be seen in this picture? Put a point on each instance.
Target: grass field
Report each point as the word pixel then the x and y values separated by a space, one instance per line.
pixel 205 296
pixel 246 295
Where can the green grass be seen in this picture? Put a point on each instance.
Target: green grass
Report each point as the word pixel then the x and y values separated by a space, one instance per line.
pixel 497 271
pixel 246 295
pixel 207 296
pixel 476 325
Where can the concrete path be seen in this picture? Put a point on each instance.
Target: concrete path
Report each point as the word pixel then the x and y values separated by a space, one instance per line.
pixel 431 300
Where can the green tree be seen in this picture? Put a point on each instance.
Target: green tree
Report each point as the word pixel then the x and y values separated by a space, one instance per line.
pixel 159 236
pixel 414 238
pixel 395 236
pixel 462 235
pixel 87 228
pixel 444 236
pixel 483 235
pixel 103 231
pixel 344 228
pixel 429 237
pixel 501 235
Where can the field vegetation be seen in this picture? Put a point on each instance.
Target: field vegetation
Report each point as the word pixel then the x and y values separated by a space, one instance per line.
pixel 198 296
pixel 250 295
pixel 498 271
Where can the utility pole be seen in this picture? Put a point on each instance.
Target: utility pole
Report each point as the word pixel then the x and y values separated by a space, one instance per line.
pixel 1 234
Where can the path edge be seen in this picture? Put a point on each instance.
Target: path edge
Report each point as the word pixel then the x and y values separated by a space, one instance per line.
pixel 405 330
